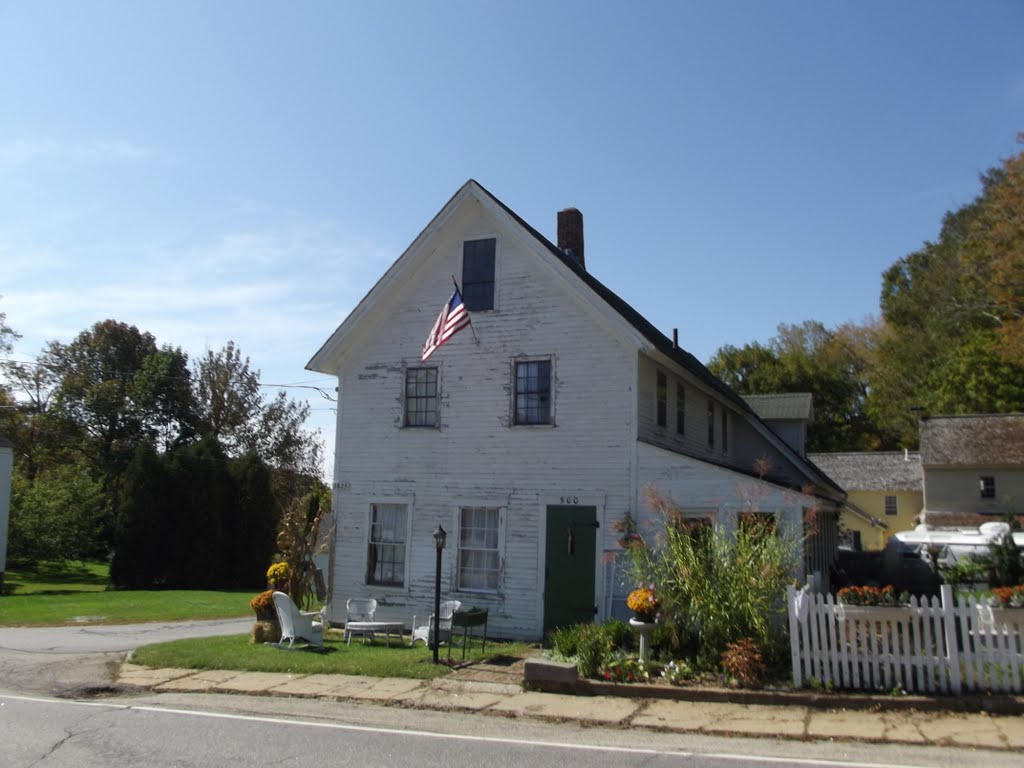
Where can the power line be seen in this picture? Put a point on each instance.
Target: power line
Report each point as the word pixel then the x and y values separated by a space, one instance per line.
pixel 127 374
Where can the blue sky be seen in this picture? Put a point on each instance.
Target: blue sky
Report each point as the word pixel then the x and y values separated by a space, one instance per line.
pixel 247 170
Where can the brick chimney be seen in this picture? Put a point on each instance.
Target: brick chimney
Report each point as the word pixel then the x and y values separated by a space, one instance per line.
pixel 570 234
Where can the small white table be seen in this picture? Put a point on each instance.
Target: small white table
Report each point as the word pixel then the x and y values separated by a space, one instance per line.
pixel 373 628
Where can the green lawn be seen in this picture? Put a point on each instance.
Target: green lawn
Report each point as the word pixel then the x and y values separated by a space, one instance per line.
pixel 374 659
pixel 57 577
pixel 75 593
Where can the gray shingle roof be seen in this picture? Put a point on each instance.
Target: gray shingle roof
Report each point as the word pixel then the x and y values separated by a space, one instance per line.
pixel 872 471
pixel 783 405
pixel 982 440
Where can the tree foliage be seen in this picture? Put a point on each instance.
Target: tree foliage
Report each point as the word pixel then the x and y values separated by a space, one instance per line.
pixel 193 463
pixel 193 518
pixel 54 515
pixel 830 364
pixel 950 339
pixel 951 314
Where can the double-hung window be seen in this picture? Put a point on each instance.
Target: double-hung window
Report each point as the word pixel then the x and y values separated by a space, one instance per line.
pixel 385 556
pixel 891 508
pixel 711 424
pixel 479 553
pixel 662 398
pixel 680 409
pixel 987 484
pixel 533 392
pixel 421 397
pixel 478 274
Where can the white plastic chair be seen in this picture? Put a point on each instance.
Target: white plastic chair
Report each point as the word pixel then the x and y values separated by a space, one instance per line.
pixel 296 624
pixel 424 633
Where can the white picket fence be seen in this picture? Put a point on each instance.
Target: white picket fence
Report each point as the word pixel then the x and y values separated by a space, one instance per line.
pixel 930 646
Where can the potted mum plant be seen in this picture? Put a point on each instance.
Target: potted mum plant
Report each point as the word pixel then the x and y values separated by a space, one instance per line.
pixel 644 604
pixel 266 629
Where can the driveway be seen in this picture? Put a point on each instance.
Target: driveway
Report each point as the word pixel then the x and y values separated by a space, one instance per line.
pixel 76 659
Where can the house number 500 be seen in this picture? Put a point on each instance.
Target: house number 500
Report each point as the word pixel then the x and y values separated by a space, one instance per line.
pixel 570 500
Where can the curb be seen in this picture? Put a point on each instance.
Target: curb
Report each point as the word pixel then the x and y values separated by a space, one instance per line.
pixel 545 676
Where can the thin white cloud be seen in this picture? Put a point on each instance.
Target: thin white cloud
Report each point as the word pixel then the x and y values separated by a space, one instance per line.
pixel 277 292
pixel 19 152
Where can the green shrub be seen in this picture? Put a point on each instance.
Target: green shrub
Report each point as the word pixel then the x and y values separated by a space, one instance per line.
pixel 966 570
pixel 620 634
pixel 594 648
pixel 565 641
pixel 591 646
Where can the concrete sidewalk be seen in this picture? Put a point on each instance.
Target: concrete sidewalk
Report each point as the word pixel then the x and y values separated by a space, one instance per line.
pixel 507 699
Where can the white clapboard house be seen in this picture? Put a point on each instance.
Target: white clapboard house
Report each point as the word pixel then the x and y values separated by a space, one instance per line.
pixel 529 433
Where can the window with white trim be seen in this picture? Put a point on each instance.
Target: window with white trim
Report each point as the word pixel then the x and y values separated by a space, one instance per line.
pixel 891 506
pixel 533 392
pixel 385 552
pixel 479 549
pixel 421 397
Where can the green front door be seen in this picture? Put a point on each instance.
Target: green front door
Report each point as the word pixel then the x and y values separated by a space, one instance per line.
pixel 569 560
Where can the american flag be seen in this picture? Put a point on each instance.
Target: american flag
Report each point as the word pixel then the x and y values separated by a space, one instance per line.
pixel 453 318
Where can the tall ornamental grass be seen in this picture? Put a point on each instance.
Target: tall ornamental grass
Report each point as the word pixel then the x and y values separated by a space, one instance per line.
pixel 717 586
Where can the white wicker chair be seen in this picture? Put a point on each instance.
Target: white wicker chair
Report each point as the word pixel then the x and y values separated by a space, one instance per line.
pixel 359 609
pixel 296 624
pixel 424 632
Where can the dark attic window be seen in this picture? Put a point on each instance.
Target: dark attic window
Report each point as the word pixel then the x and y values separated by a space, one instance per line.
pixel 478 274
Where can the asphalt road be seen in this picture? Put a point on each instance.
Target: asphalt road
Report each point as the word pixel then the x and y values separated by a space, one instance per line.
pixel 239 730
pixel 66 661
pixel 113 638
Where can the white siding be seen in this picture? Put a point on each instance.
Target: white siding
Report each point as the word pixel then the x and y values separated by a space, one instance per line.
pixel 704 489
pixel 476 457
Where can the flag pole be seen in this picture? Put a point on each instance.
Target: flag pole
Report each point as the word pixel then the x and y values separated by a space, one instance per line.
pixel 455 283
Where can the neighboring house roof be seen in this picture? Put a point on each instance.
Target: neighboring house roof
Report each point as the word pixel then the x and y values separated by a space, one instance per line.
pixel 872 471
pixel 639 323
pixel 783 405
pixel 973 441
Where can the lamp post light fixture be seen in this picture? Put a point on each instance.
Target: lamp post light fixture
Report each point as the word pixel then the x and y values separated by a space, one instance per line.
pixel 439 539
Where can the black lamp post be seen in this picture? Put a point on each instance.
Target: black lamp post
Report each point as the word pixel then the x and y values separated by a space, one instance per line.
pixel 439 539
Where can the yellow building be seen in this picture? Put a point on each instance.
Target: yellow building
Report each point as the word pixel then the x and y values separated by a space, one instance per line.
pixel 885 493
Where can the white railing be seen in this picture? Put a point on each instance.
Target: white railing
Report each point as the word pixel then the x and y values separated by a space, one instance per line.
pixel 929 646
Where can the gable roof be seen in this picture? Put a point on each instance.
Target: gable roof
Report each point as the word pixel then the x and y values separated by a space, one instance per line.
pixel 974 441
pixel 872 471
pixel 797 406
pixel 634 319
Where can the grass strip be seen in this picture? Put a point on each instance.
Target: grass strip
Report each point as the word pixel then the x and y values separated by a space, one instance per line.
pixel 373 659
pixel 120 607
